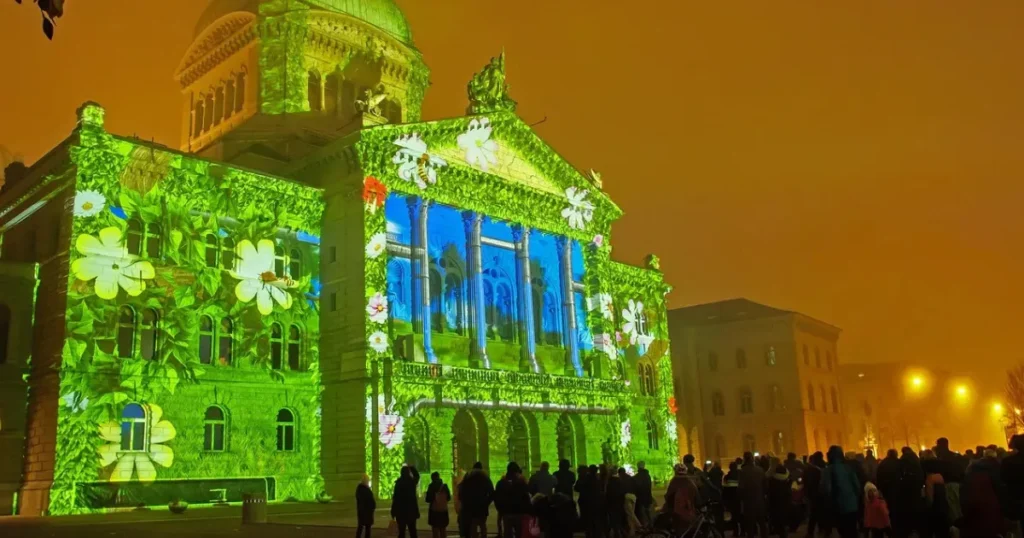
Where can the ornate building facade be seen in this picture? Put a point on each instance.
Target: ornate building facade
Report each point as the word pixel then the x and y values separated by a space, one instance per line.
pixel 318 285
pixel 755 378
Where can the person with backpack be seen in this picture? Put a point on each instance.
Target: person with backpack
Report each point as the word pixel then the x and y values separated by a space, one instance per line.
pixel 681 500
pixel 366 505
pixel 437 499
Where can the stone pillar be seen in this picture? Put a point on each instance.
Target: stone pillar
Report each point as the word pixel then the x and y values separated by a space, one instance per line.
pixel 422 254
pixel 572 357
pixel 477 323
pixel 415 301
pixel 524 285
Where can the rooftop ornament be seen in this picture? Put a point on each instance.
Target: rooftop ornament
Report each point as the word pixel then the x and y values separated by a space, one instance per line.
pixel 488 91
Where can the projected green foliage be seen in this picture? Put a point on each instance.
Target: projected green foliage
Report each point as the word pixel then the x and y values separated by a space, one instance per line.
pixel 478 164
pixel 191 286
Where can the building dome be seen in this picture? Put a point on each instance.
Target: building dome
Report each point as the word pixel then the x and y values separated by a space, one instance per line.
pixel 383 14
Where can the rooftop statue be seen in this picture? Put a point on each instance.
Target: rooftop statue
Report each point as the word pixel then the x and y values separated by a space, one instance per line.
pixel 370 103
pixel 488 91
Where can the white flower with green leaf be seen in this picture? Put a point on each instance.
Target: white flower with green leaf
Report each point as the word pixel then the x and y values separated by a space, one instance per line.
pixel 392 430
pixel 377 245
pixel 137 463
pixel 670 429
pixel 106 260
pixel 602 302
pixel 377 308
pixel 580 210
pixel 89 203
pixel 636 324
pixel 480 150
pixel 379 341
pixel 254 269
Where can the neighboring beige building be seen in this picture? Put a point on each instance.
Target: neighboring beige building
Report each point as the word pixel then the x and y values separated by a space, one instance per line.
pixel 750 377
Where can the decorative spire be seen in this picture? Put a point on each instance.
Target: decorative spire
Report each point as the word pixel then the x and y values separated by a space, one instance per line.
pixel 488 91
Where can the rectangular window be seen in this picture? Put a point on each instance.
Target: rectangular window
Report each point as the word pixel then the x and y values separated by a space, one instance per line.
pixel 334 254
pixel 334 302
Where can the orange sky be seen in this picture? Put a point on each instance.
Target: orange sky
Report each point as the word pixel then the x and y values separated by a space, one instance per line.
pixel 860 162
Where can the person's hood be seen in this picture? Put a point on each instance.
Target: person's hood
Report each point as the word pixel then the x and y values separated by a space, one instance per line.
pixel 781 476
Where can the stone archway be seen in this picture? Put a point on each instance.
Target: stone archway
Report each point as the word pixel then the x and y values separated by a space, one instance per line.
pixel 565 443
pixel 465 446
pixel 416 445
pixel 519 440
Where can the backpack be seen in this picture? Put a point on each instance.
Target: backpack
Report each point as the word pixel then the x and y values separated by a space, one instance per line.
pixel 684 503
pixel 440 502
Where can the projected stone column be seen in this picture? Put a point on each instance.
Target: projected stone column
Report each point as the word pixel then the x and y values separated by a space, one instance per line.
pixel 477 323
pixel 415 312
pixel 424 276
pixel 527 338
pixel 568 304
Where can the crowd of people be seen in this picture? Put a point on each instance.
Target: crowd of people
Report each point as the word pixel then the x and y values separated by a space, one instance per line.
pixel 934 494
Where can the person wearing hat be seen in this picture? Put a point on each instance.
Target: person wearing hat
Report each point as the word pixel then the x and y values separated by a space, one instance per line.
pixel 681 499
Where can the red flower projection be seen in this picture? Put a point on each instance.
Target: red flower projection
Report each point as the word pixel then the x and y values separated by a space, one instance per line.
pixel 374 193
pixel 672 405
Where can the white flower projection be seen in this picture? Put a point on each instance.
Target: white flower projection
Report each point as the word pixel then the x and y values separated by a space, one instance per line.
pixel 88 203
pixel 377 245
pixel 379 342
pixel 106 260
pixel 131 463
pixel 415 164
pixel 480 150
pixel 392 430
pixel 580 210
pixel 625 433
pixel 255 272
pixel 636 324
pixel 377 308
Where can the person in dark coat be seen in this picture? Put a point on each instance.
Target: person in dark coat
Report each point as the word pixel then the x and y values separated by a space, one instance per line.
pixel 871 466
pixel 888 477
pixel 794 466
pixel 1012 472
pixel 731 498
pixel 780 497
pixel 543 482
pixel 405 505
pixel 565 479
pixel 562 522
pixel 589 489
pixel 752 497
pixel 437 499
pixel 366 505
pixel 476 493
pixel 817 509
pixel 842 490
pixel 982 498
pixel 512 501
pixel 615 495
pixel 644 490
pixel 906 504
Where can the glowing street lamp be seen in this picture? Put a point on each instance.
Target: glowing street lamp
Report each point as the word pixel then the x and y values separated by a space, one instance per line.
pixel 997 408
pixel 917 382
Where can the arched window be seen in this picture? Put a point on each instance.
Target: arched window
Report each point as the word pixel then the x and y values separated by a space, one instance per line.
pixel 239 92
pixel 212 250
pixel 225 341
pixel 5 331
pixel 150 344
pixel 279 261
pixel 713 361
pixel 817 358
pixel 721 452
pixel 824 400
pixel 229 99
pixel 776 397
pixel 779 443
pixel 315 96
pixel 135 232
pixel 828 360
pixel 717 404
pixel 197 118
pixel 227 254
pixel 332 87
pixel 208 117
pixel 749 443
pixel 294 346
pixel 642 378
pixel 835 400
pixel 769 356
pixel 746 401
pixel 276 346
pixel 206 339
pixel 218 106
pixel 126 332
pixel 828 440
pixel 807 356
pixel 133 428
pixel 285 430
pixel 153 241
pixel 295 264
pixel 214 429
pixel 741 358
pixel 810 397
pixel 652 430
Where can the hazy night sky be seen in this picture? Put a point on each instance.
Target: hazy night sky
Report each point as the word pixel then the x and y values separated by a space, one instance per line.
pixel 860 162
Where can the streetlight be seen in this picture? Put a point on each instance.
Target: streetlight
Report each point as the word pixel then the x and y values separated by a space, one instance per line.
pixel 997 408
pixel 961 391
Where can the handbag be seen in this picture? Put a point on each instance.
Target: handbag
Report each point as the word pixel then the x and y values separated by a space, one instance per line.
pixel 531 529
pixel 393 528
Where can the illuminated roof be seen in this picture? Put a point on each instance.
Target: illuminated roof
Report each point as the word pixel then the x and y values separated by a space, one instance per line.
pixel 383 14
pixel 731 310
